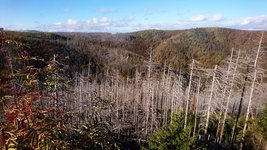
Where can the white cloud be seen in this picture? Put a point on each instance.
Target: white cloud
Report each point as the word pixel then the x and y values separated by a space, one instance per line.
pixel 71 22
pixel 126 24
pixel 104 20
pixel 58 23
pixel 103 24
pixel 94 20
pixel 198 18
pixel 129 23
pixel 217 18
pixel 245 21
pixel 256 20
pixel 15 27
pixel 250 23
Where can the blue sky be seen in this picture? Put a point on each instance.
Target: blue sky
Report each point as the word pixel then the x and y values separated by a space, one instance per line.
pixel 132 15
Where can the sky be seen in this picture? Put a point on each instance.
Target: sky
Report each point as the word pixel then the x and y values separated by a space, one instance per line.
pixel 131 15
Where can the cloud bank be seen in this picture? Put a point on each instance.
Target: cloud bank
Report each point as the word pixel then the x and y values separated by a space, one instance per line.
pixel 130 23
pixel 198 18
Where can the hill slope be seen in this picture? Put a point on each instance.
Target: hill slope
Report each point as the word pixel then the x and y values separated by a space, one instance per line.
pixel 130 51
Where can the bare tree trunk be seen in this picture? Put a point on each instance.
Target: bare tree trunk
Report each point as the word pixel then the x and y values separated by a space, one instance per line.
pixel 196 111
pixel 80 99
pixel 148 99
pixel 209 103
pixel 251 92
pixel 233 136
pixel 124 89
pixel 55 92
pixel 228 98
pixel 188 94
pixel 136 102
pixel 167 101
pixel 172 103
pixel 224 91
pixel 88 99
pixel 117 95
pixel 162 96
pixel 152 107
pixel 180 89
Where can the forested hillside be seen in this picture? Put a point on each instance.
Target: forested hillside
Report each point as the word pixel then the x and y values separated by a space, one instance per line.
pixel 128 51
pixel 152 89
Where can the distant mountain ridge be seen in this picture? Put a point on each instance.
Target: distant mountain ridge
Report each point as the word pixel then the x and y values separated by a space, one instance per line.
pixel 130 51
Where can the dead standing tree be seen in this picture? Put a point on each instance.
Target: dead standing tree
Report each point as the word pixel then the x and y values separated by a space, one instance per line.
pixel 188 94
pixel 251 91
pixel 228 97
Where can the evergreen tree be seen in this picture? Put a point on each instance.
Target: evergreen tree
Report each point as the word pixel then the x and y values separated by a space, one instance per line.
pixel 264 121
pixel 173 136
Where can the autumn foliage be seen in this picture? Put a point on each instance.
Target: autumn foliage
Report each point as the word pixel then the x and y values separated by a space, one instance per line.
pixel 32 118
